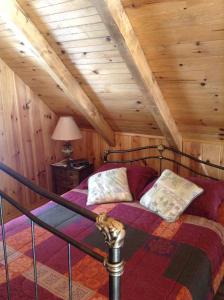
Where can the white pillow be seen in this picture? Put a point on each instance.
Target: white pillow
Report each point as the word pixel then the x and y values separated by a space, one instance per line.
pixel 109 186
pixel 170 196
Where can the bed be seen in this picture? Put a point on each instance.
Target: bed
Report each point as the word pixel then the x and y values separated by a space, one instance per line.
pixel 66 256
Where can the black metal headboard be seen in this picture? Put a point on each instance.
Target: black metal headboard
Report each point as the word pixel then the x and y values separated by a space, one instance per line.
pixel 161 156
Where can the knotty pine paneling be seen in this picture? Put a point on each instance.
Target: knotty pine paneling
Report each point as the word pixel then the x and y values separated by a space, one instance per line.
pixel 26 125
pixel 92 146
pixel 75 31
pixel 183 42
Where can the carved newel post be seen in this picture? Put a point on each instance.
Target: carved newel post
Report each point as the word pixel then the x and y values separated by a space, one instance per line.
pixel 114 234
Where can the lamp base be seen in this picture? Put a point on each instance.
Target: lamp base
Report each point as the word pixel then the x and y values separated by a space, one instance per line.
pixel 67 150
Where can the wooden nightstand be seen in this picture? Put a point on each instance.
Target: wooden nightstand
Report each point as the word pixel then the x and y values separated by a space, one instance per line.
pixel 66 178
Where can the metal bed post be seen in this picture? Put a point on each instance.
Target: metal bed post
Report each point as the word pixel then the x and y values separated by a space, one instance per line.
pixel 160 148
pixel 34 259
pixel 5 248
pixel 69 272
pixel 114 234
pixel 115 268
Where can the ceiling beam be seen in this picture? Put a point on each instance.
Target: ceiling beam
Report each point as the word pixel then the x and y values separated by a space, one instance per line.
pixel 120 28
pixel 14 15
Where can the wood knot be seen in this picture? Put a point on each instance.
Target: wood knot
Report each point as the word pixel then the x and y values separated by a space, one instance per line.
pixel 26 106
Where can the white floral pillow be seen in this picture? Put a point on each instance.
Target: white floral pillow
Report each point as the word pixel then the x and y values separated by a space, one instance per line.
pixel 109 186
pixel 170 196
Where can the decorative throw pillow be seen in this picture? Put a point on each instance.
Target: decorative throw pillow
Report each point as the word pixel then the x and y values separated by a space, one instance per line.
pixel 109 186
pixel 170 196
pixel 138 177
pixel 207 204
pixel 220 214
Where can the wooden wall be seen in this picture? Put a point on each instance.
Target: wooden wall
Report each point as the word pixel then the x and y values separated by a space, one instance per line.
pixel 26 124
pixel 92 147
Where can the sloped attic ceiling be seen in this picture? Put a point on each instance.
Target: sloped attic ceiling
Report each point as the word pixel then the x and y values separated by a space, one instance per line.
pixel 81 40
pixel 182 41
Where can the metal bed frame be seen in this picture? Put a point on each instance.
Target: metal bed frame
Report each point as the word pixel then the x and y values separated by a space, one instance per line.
pixel 113 230
pixel 162 149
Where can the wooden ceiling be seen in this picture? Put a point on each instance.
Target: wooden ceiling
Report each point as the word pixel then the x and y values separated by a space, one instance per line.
pixel 183 42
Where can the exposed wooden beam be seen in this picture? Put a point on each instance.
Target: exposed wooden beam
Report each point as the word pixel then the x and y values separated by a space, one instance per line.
pixel 14 15
pixel 120 28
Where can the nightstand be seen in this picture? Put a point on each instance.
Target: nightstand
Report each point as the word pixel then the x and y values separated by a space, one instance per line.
pixel 66 178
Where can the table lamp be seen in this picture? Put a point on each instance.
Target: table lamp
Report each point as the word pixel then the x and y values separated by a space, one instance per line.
pixel 66 130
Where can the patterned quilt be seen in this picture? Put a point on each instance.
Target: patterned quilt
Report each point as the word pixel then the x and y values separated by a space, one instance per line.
pixel 182 260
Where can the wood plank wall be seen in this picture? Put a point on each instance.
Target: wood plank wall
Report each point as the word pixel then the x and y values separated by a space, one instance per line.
pixel 92 146
pixel 26 124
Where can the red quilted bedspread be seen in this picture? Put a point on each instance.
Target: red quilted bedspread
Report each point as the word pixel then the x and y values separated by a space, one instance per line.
pixel 182 260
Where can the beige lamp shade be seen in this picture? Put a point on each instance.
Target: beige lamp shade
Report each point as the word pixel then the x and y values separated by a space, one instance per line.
pixel 66 130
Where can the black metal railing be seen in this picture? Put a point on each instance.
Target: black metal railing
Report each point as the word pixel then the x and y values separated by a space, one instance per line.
pixel 161 157
pixel 113 262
